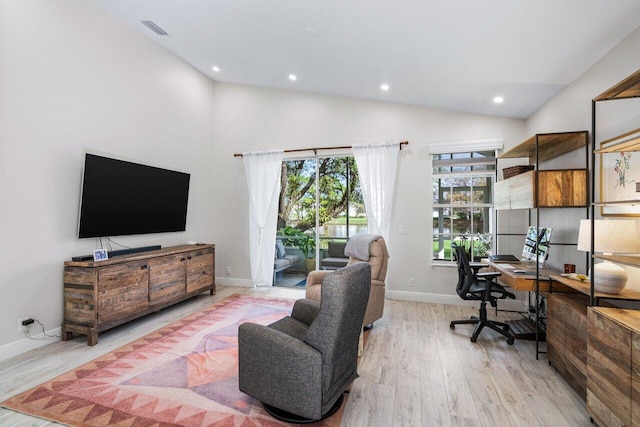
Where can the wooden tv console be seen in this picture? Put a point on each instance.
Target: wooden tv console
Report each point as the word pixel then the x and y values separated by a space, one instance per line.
pixel 99 295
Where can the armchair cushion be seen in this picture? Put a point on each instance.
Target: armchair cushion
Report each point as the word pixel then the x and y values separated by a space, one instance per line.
pixel 305 310
pixel 280 250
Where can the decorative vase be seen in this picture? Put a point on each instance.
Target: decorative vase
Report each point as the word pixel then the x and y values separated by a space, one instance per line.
pixel 609 278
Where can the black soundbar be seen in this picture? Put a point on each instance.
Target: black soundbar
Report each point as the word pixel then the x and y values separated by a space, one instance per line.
pixel 133 250
pixel 119 252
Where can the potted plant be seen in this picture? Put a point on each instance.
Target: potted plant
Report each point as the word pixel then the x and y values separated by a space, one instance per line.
pixel 483 245
pixel 305 242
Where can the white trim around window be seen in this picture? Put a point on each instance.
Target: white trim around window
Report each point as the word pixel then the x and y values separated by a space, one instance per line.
pixel 464 146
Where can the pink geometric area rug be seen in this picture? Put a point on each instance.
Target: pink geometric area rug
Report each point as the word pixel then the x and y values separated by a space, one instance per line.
pixel 185 374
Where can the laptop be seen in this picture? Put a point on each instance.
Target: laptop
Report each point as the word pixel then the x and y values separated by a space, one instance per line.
pixel 503 258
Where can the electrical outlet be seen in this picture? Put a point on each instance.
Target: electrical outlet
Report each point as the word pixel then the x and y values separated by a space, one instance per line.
pixel 22 328
pixel 228 270
pixel 412 282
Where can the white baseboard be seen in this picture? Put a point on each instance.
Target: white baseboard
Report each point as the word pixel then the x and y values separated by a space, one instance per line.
pixel 15 348
pixel 230 281
pixel 517 305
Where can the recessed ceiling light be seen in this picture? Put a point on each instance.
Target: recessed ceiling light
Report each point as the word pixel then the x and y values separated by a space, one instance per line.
pixel 216 69
pixel 498 99
pixel 384 87
pixel 293 77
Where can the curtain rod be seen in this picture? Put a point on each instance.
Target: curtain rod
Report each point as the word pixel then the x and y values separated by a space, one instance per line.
pixel 315 150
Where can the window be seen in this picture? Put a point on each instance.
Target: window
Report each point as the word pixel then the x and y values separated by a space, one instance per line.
pixel 463 202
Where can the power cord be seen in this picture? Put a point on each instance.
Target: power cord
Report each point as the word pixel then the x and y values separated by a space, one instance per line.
pixel 25 330
pixel 116 243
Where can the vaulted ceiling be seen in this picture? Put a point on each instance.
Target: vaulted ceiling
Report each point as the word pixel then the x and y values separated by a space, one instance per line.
pixel 449 54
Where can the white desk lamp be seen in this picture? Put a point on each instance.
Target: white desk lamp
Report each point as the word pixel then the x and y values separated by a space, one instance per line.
pixel 612 236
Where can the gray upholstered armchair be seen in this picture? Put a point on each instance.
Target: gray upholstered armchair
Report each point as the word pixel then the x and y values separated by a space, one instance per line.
pixel 300 366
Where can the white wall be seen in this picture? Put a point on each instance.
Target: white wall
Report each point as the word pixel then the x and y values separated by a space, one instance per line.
pixel 74 78
pixel 571 109
pixel 249 118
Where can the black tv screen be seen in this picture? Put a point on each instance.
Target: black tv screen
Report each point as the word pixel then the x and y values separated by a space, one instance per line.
pixel 122 198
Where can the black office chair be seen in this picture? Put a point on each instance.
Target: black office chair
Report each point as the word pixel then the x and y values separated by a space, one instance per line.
pixel 480 287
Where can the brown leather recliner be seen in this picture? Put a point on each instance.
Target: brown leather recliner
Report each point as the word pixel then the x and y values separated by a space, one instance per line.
pixel 378 259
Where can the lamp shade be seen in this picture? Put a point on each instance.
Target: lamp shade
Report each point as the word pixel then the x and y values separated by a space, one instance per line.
pixel 611 236
pixel 615 236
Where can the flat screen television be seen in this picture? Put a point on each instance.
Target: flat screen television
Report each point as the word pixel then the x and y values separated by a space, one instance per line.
pixel 123 198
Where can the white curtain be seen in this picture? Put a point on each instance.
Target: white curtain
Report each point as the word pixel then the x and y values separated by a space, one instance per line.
pixel 262 169
pixel 377 163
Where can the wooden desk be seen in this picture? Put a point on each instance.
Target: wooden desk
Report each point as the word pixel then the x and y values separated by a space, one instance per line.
pixel 522 282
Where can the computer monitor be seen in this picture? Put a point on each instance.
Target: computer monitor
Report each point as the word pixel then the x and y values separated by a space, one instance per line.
pixel 537 238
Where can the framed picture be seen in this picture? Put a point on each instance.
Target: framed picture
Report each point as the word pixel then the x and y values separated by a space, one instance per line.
pixel 619 182
pixel 100 255
pixel 540 239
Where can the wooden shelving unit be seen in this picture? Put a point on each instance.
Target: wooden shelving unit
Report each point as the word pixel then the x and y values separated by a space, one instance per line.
pixel 625 142
pixel 547 146
pixel 544 188
pixel 613 399
pixel 627 88
pixel 629 141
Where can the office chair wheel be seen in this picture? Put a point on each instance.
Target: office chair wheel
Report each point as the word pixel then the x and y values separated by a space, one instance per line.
pixel 510 341
pixel 473 339
pixel 452 326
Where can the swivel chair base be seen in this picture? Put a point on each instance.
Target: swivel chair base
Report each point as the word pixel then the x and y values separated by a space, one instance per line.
pixel 288 417
pixel 483 321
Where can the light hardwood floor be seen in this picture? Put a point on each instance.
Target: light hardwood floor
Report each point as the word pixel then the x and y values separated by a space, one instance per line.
pixel 415 371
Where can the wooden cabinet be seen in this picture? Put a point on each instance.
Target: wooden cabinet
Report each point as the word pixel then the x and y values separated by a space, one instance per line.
pixel 167 278
pixel 613 366
pixel 567 338
pixel 101 295
pixel 635 378
pixel 199 271
pixel 123 290
pixel 556 188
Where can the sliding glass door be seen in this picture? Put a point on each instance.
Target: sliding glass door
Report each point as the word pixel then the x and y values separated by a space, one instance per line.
pixel 320 203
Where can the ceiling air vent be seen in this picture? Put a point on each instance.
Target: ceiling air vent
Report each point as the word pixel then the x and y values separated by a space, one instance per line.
pixel 153 27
